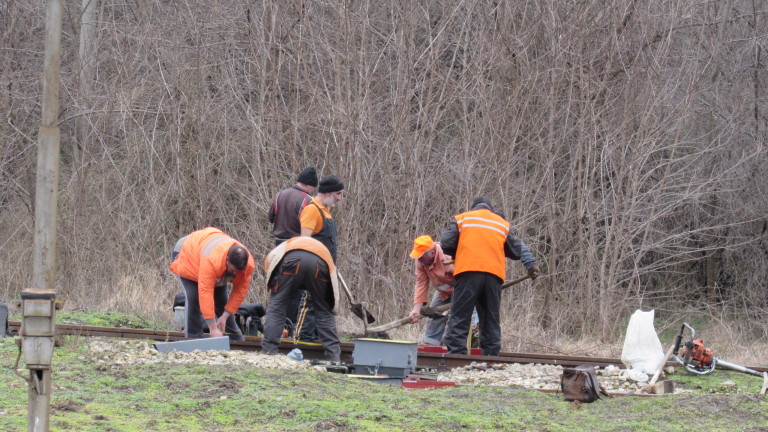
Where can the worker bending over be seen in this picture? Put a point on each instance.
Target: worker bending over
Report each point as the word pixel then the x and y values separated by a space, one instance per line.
pixel 206 261
pixel 302 263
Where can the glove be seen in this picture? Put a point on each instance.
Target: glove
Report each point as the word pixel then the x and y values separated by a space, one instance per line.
pixel 534 272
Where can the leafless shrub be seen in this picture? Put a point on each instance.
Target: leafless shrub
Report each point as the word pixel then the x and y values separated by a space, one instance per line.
pixel 623 139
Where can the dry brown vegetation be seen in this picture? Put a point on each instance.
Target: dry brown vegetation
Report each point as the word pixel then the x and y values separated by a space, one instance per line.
pixel 625 141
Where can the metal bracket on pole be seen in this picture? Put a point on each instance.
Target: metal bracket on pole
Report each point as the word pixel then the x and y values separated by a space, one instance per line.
pixel 38 331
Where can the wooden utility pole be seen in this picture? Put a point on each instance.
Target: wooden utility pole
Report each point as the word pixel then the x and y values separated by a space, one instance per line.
pixel 46 198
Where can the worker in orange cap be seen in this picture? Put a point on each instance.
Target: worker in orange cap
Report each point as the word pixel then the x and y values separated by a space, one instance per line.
pixel 431 267
pixel 206 261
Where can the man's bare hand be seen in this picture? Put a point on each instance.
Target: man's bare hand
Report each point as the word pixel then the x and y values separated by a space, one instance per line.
pixel 415 315
pixel 214 331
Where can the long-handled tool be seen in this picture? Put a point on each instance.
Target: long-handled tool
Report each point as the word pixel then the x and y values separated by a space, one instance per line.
pixel 700 360
pixel 356 308
pixel 433 311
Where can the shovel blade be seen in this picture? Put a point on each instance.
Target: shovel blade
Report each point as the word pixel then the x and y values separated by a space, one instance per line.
pixel 357 309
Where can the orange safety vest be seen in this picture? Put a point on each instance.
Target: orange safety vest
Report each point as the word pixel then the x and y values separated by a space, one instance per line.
pixel 203 259
pixel 482 235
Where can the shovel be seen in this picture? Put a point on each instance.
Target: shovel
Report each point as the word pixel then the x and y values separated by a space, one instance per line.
pixel 356 308
pixel 442 308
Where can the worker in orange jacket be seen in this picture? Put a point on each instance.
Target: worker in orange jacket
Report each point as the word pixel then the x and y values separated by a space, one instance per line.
pixel 206 261
pixel 480 240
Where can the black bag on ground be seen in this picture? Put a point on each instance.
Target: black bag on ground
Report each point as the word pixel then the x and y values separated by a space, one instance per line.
pixel 580 384
pixel 248 318
pixel 179 300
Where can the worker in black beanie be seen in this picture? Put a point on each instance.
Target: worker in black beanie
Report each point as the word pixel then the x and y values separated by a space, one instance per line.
pixel 329 184
pixel 284 215
pixel 288 204
pixel 308 177
pixel 316 219
pixel 317 222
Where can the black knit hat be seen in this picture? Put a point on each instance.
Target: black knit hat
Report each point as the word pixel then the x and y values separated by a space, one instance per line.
pixel 482 200
pixel 330 183
pixel 308 177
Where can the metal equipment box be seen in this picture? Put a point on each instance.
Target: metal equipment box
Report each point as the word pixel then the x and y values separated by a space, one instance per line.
pixel 384 357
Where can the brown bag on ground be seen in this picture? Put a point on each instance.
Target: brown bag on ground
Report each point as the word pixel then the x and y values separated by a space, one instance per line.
pixel 580 384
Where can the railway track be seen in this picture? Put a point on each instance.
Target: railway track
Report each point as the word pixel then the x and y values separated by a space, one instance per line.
pixel 425 360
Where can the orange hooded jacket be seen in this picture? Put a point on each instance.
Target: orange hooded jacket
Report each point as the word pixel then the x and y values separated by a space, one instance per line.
pixel 203 259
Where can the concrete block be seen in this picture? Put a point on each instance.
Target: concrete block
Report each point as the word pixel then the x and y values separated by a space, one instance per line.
pixel 220 343
pixel 664 387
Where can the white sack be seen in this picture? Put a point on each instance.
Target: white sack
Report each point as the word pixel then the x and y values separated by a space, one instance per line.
pixel 642 347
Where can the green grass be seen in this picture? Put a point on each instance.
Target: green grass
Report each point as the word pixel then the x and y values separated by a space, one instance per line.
pixel 103 319
pixel 91 396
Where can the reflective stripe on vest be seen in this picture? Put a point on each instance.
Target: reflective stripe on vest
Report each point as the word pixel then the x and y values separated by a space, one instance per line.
pixel 212 243
pixel 482 235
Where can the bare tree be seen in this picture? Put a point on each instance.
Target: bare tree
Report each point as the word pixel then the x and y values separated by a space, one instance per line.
pixel 622 139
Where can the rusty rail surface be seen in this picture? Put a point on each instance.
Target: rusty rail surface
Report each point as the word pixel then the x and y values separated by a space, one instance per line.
pixel 426 360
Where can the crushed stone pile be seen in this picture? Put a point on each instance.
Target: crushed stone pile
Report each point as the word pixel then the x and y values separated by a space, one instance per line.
pixel 531 376
pixel 122 352
pixel 535 376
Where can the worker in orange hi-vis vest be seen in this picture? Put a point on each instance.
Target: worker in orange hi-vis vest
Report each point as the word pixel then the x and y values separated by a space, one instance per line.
pixel 480 241
pixel 206 261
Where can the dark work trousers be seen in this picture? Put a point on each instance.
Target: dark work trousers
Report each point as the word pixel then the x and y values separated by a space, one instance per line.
pixel 434 331
pixel 299 307
pixel 194 324
pixel 481 290
pixel 194 318
pixel 301 270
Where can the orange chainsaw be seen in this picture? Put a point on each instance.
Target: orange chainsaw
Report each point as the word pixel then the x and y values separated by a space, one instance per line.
pixel 698 359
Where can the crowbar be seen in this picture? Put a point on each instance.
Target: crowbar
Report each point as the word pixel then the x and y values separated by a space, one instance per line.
pixel 442 308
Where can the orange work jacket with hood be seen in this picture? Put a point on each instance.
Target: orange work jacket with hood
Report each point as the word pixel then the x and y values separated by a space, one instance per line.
pixel 482 235
pixel 203 259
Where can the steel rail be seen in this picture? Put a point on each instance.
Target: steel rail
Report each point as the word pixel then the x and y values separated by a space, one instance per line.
pixel 310 350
